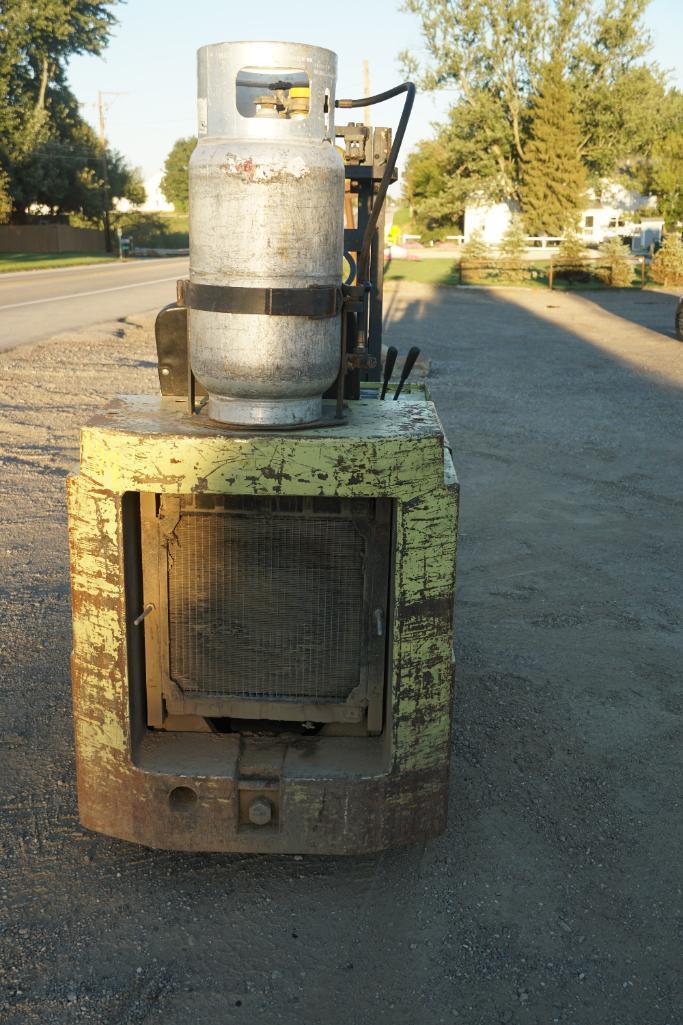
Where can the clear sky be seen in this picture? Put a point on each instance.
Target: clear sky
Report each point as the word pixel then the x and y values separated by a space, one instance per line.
pixel 151 59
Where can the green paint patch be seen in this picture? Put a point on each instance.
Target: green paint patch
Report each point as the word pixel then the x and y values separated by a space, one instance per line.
pixel 45 261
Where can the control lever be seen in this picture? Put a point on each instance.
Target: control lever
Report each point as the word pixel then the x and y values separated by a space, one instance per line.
pixel 407 367
pixel 389 363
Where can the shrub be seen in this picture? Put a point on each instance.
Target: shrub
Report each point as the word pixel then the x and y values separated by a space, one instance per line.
pixel 475 248
pixel 152 230
pixel 617 269
pixel 667 265
pixel 571 264
pixel 513 246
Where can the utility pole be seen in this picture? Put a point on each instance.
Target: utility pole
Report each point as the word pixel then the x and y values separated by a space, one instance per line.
pixel 102 135
pixel 366 91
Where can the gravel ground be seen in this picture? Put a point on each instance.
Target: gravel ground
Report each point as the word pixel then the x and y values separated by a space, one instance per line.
pixel 555 894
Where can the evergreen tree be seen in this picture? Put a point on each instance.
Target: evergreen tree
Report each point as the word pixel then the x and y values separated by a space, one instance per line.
pixel 554 178
pixel 475 259
pixel 492 53
pixel 571 264
pixel 617 269
pixel 513 247
pixel 175 183
pixel 571 249
pixel 667 266
pixel 475 248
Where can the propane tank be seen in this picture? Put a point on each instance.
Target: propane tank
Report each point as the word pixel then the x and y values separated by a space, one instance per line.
pixel 266 212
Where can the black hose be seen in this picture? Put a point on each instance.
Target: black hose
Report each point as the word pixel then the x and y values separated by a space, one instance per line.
pixel 368 101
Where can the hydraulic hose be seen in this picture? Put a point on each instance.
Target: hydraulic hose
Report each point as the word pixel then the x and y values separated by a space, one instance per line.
pixel 368 101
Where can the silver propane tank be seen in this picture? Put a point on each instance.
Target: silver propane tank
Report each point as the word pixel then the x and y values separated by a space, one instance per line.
pixel 266 232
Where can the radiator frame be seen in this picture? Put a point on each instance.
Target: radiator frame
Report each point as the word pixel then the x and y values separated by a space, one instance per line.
pixel 167 700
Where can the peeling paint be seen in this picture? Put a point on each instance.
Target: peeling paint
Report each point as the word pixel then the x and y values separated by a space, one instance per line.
pixel 392 450
pixel 247 169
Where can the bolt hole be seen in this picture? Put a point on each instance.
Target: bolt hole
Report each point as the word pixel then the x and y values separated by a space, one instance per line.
pixel 182 798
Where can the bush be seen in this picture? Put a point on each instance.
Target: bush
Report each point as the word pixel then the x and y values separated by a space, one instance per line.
pixel 475 248
pixel 153 231
pixel 617 270
pixel 667 266
pixel 571 264
pixel 513 246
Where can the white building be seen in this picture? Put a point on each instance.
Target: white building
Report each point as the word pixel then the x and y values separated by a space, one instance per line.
pixel 609 213
pixel 155 202
pixel 489 220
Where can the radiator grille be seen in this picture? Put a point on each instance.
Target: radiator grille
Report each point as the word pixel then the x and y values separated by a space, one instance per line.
pixel 266 606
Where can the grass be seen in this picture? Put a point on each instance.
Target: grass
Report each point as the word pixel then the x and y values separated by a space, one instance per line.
pixel 447 272
pixel 44 261
pixel 155 230
pixel 427 272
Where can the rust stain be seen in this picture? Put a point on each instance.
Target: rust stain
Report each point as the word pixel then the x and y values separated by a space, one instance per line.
pixel 149 447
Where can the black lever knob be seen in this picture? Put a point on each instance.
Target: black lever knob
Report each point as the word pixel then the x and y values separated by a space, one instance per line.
pixel 407 367
pixel 389 363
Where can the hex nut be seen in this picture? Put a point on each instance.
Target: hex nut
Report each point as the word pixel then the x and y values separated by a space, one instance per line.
pixel 260 811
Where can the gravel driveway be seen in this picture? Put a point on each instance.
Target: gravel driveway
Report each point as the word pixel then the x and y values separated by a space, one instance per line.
pixel 555 894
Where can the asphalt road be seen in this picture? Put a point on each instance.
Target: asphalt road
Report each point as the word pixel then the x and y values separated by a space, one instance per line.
pixel 554 895
pixel 38 304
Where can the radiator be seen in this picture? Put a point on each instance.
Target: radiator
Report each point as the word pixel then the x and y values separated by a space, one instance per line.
pixel 268 606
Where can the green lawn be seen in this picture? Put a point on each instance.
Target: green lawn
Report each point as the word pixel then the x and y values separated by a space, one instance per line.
pixel 428 272
pixel 44 261
pixel 446 272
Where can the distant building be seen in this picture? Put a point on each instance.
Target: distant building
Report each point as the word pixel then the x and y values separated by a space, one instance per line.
pixel 489 220
pixel 609 213
pixel 155 202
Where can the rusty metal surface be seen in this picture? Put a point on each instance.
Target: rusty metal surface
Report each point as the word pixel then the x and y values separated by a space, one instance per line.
pixel 265 607
pixel 170 333
pixel 340 794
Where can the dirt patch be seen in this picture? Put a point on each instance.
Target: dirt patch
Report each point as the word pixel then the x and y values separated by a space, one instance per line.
pixel 554 894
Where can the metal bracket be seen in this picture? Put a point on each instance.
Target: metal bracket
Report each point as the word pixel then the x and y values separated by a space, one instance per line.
pixel 316 301
pixel 360 360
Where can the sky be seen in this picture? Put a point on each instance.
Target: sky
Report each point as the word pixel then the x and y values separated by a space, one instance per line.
pixel 151 61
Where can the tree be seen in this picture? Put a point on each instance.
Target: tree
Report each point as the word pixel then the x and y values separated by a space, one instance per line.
pixel 664 173
pixel 571 250
pixel 476 247
pixel 5 198
pixel 571 264
pixel 175 182
pixel 36 42
pixel 470 154
pixel 48 154
pixel 492 54
pixel 617 269
pixel 513 247
pixel 553 177
pixel 667 265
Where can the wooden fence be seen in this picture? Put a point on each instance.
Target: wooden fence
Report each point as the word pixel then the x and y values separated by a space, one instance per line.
pixel 551 273
pixel 50 238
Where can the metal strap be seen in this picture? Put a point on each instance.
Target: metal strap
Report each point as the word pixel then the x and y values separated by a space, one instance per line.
pixel 315 301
